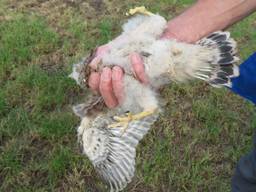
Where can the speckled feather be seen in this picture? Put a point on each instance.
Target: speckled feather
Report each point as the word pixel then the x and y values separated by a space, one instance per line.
pixel 111 151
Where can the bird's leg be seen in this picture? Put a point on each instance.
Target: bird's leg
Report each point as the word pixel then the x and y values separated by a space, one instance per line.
pixel 124 121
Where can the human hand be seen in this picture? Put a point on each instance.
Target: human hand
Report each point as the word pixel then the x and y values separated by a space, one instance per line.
pixel 109 83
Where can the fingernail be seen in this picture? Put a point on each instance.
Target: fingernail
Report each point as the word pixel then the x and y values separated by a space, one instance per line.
pixel 136 58
pixel 94 63
pixel 106 73
pixel 117 73
pixel 94 80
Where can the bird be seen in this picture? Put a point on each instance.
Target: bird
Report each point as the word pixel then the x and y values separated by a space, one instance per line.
pixel 109 137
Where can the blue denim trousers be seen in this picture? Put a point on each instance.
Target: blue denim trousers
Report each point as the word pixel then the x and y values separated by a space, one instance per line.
pixel 244 178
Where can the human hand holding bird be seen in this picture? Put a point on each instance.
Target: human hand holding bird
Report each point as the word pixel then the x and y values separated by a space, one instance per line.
pixel 109 83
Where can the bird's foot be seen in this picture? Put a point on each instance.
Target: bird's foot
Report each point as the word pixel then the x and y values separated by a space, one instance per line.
pixel 141 10
pixel 124 121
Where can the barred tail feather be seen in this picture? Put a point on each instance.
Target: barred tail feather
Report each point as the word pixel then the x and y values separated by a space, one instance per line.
pixel 223 65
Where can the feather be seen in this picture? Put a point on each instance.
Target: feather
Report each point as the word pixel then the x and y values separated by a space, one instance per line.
pixel 112 152
pixel 224 60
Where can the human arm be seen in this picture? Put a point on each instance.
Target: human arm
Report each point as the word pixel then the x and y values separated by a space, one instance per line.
pixel 207 16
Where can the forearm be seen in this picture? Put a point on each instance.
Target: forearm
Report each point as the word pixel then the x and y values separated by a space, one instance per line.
pixel 207 16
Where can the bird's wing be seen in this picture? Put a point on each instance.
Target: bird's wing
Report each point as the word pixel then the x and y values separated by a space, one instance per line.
pixel 113 152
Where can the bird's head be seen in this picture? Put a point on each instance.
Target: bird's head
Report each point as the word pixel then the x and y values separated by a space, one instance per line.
pixel 81 71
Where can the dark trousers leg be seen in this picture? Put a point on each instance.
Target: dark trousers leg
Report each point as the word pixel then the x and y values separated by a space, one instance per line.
pixel 244 179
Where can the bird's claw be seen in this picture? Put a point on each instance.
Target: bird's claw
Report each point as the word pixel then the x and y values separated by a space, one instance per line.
pixel 124 121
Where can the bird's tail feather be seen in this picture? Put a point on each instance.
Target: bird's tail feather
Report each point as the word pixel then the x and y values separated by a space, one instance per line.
pixel 223 65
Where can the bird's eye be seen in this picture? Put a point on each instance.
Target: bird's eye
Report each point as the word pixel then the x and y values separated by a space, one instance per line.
pixel 145 54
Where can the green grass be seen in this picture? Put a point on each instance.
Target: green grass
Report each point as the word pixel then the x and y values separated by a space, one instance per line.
pixel 194 146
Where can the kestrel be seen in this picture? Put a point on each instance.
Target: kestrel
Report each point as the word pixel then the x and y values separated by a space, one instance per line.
pixel 109 137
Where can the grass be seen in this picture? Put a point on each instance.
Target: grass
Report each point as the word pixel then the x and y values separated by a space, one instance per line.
pixel 194 146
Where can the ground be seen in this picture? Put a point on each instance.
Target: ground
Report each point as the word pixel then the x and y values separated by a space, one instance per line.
pixel 193 147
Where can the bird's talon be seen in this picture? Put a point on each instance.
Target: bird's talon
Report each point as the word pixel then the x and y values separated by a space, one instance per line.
pixel 124 121
pixel 121 119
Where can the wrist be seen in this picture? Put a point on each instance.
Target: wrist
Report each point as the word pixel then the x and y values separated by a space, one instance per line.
pixel 168 34
pixel 180 31
pixel 207 16
pixel 187 27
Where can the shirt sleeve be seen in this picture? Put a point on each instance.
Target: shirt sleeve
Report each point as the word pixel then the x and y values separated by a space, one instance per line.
pixel 245 84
